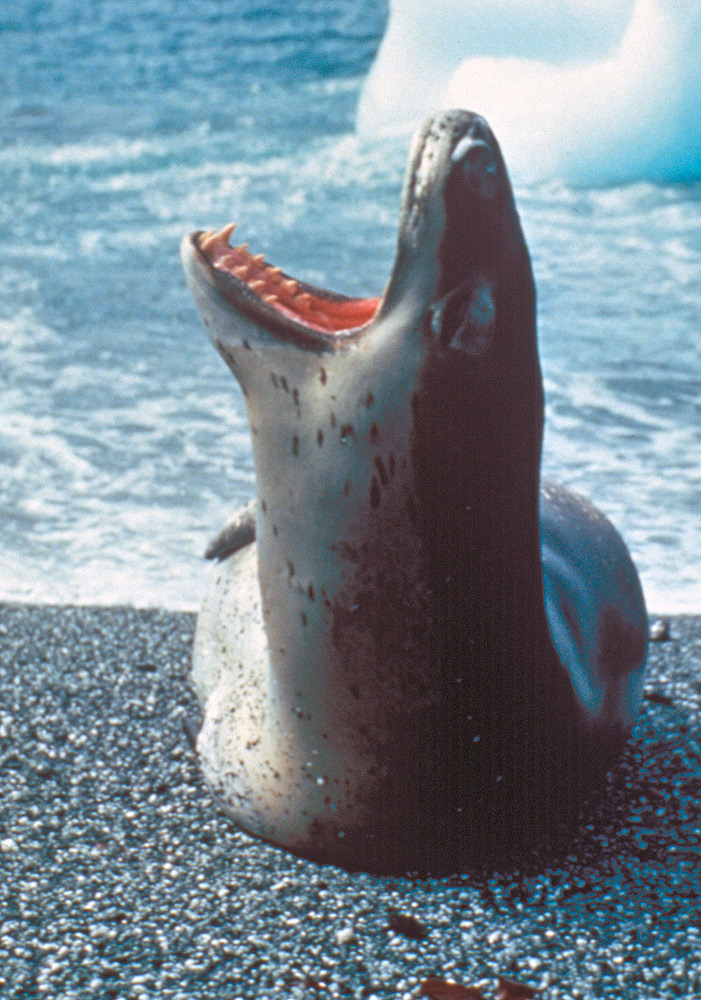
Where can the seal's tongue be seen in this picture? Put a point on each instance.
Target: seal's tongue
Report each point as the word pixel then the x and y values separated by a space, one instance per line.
pixel 315 308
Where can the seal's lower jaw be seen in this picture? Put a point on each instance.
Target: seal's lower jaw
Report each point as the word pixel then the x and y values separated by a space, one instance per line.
pixel 289 309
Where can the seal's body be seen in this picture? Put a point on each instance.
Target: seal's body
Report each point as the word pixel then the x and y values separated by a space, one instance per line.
pixel 421 654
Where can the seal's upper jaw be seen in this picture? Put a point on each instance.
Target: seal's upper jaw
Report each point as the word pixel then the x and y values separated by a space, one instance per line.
pixel 290 309
pixel 455 187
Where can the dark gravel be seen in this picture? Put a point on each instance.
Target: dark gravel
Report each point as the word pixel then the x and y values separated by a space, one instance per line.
pixel 121 879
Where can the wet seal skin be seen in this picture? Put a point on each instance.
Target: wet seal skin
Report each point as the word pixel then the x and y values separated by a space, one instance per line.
pixel 426 656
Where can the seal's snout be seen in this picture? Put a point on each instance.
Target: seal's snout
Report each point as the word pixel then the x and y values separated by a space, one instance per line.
pixel 476 159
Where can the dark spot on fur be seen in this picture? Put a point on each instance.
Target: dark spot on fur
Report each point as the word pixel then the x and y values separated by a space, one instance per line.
pixel 346 431
pixel 369 400
pixel 320 437
pixel 264 506
pixel 322 375
pixel 273 379
pixel 275 530
pixel 346 488
pixel 348 551
pixel 303 617
pixel 246 345
pixel 283 383
pixel 374 493
pixel 310 591
pixel 295 445
pixel 381 471
pixel 333 419
pixel 290 567
pixel 295 396
pixel 374 433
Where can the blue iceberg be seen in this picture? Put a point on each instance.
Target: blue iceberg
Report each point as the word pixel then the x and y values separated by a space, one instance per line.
pixel 586 91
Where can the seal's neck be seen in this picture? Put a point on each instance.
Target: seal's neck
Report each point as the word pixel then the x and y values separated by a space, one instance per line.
pixel 478 423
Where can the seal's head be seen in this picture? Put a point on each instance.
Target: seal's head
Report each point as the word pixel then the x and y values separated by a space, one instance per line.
pixel 379 681
pixel 457 219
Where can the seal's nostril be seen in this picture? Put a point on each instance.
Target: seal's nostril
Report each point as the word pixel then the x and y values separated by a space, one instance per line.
pixel 478 163
pixel 480 157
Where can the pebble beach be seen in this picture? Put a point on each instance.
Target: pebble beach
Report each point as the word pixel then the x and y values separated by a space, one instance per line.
pixel 120 877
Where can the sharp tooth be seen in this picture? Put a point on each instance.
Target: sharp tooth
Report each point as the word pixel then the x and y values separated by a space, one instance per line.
pixel 229 260
pixel 259 258
pixel 208 241
pixel 241 271
pixel 274 272
pixel 270 298
pixel 256 285
pixel 290 286
pixel 243 248
pixel 304 300
pixel 226 232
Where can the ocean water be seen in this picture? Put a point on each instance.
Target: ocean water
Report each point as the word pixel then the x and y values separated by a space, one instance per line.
pixel 123 439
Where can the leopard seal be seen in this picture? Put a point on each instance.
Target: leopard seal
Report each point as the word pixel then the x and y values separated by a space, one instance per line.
pixel 425 654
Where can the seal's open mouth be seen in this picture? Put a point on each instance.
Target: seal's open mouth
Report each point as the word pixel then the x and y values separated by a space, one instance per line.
pixel 272 297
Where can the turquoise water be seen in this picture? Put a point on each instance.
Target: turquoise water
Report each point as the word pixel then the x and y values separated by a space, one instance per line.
pixel 123 440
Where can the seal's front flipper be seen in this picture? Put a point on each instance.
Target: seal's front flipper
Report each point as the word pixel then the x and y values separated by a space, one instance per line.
pixel 236 534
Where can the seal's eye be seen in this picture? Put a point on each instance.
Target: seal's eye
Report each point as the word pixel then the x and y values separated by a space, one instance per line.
pixel 464 319
pixel 478 164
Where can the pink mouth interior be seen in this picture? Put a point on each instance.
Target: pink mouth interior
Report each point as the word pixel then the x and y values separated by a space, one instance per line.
pixel 282 293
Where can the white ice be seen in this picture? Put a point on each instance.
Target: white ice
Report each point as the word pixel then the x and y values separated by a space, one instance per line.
pixel 590 91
